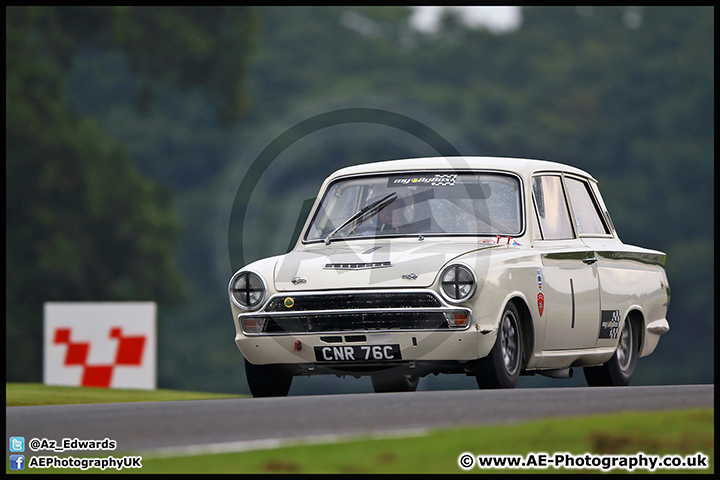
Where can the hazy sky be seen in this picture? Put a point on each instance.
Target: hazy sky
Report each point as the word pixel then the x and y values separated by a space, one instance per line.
pixel 496 19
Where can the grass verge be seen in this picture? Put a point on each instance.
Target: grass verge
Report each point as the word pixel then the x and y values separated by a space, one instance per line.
pixel 27 394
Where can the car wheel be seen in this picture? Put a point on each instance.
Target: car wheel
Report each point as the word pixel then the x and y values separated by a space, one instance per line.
pixel 617 371
pixel 501 367
pixel 267 380
pixel 384 382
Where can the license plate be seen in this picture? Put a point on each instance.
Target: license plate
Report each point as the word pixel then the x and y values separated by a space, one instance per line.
pixel 358 353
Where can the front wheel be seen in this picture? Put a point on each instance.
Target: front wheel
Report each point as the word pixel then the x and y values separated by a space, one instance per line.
pixel 617 371
pixel 267 380
pixel 501 367
pixel 384 382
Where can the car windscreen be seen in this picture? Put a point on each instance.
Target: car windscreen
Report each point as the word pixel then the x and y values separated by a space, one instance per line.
pixel 443 203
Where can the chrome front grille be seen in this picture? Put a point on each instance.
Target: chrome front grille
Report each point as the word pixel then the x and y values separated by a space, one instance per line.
pixel 354 311
pixel 354 301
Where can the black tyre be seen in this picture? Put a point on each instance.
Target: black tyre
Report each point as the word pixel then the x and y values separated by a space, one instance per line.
pixel 267 380
pixel 617 371
pixel 389 381
pixel 501 367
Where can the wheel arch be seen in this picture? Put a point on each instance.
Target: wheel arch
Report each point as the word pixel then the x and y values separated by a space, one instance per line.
pixel 637 320
pixel 526 328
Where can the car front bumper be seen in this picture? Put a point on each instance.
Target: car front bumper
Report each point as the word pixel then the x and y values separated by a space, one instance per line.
pixel 413 346
pixel 358 329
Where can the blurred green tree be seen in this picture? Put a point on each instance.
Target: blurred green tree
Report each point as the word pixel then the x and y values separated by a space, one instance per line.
pixel 82 224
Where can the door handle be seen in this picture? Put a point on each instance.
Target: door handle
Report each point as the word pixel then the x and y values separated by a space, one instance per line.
pixel 590 260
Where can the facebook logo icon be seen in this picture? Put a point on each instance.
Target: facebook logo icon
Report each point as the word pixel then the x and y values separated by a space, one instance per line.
pixel 17 462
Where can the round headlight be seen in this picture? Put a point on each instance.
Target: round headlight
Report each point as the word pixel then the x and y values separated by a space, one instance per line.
pixel 247 290
pixel 457 283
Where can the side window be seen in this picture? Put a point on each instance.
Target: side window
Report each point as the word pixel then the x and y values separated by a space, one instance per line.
pixel 552 208
pixel 586 213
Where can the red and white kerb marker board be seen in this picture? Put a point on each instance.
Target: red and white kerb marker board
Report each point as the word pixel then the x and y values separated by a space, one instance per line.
pixel 106 344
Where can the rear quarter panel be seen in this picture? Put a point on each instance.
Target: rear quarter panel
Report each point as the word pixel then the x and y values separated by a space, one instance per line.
pixel 632 279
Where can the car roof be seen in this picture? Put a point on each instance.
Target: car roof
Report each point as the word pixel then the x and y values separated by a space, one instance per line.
pixel 522 166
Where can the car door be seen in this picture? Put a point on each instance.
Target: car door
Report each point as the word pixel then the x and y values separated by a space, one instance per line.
pixel 629 276
pixel 594 230
pixel 568 296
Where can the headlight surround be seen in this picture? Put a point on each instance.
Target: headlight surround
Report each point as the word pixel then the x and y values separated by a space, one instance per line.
pixel 247 290
pixel 457 283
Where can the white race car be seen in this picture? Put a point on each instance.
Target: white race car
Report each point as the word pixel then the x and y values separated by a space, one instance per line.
pixel 490 267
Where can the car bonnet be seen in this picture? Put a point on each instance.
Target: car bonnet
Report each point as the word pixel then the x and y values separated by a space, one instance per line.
pixel 362 265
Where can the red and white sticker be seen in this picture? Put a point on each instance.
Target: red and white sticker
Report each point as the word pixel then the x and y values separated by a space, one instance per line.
pixel 541 303
pixel 107 345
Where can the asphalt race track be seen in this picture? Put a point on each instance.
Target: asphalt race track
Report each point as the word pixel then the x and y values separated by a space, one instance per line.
pixel 176 428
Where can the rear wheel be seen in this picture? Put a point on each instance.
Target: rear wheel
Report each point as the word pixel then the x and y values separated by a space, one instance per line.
pixel 267 380
pixel 384 382
pixel 617 371
pixel 501 367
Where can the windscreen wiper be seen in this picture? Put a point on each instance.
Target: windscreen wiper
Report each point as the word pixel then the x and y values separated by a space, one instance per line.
pixel 365 212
